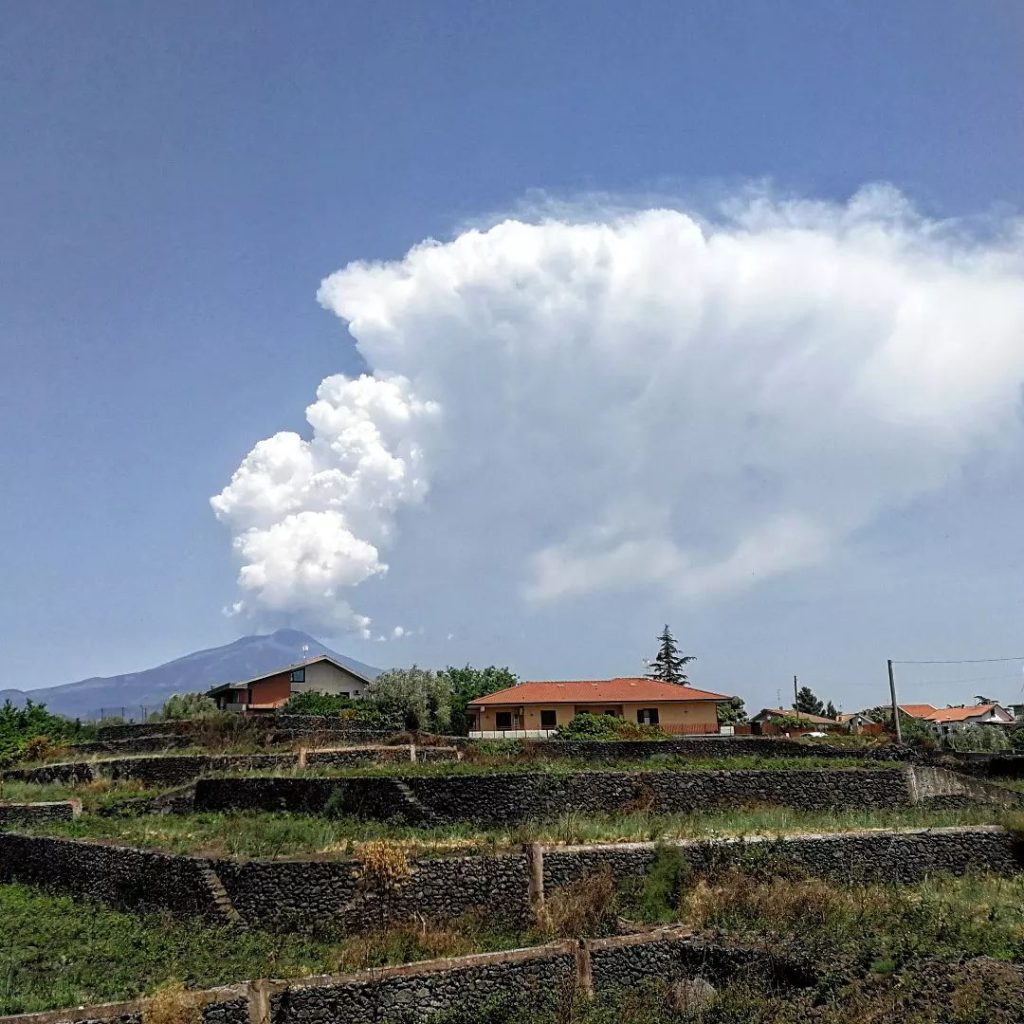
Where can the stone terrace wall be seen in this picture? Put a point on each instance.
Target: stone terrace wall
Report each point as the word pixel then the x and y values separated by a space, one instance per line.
pixel 153 770
pixel 179 769
pixel 317 895
pixel 502 798
pixel 123 877
pixel 302 895
pixel 868 856
pixel 699 747
pixel 413 993
pixel 38 813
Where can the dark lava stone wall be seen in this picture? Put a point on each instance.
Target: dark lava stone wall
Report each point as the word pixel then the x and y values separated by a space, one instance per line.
pixel 521 796
pixel 855 857
pixel 131 879
pixel 313 896
pixel 694 747
pixel 34 814
pixel 529 982
pixel 619 964
pixel 173 770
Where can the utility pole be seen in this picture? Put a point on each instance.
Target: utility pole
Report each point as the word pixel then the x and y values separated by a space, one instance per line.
pixel 794 693
pixel 895 709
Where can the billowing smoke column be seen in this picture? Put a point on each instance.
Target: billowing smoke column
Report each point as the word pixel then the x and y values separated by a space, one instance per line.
pixel 694 404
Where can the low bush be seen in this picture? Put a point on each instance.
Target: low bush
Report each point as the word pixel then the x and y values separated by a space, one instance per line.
pixel 583 908
pixel 587 726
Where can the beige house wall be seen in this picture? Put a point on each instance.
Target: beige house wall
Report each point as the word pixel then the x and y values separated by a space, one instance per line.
pixel 323 677
pixel 702 713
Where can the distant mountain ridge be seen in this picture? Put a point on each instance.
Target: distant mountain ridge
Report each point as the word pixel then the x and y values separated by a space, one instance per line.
pixel 242 659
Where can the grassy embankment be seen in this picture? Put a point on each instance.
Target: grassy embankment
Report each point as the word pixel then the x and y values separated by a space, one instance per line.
pixel 57 952
pixel 252 834
pixel 871 948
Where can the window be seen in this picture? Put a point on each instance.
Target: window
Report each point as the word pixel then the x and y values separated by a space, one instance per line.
pixel 647 716
pixel 298 675
pixel 503 719
pixel 345 695
pixel 612 712
pixel 548 719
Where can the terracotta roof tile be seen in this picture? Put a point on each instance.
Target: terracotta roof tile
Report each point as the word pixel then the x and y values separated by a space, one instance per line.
pixel 961 714
pixel 628 690
pixel 918 710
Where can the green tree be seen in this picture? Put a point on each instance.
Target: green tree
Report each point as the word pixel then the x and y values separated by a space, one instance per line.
pixel 669 665
pixel 419 697
pixel 19 725
pixel 808 703
pixel 181 706
pixel 470 683
pixel 830 710
pixel 734 711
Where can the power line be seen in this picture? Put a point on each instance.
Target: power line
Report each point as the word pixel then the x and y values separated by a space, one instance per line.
pixel 953 682
pixel 963 661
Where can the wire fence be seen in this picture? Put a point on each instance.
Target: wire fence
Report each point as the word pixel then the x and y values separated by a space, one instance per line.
pixel 125 712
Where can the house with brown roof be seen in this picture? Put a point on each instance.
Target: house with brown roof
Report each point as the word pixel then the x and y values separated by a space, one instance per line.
pixel 536 709
pixel 952 719
pixel 270 691
pixel 789 719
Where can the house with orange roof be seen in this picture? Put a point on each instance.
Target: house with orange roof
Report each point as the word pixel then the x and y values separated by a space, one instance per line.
pixel 952 719
pixel 536 709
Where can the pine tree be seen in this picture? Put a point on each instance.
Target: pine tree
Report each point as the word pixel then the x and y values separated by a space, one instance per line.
pixel 807 702
pixel 830 710
pixel 669 665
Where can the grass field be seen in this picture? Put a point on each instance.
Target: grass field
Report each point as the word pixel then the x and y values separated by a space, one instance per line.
pixel 254 834
pixel 58 952
pixel 100 793
pixel 872 948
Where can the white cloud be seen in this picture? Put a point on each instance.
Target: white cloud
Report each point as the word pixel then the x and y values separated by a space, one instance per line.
pixel 310 516
pixel 647 398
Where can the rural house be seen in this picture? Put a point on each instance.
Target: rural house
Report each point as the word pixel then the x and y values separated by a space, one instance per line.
pixel 769 721
pixel 536 709
pixel 952 719
pixel 268 692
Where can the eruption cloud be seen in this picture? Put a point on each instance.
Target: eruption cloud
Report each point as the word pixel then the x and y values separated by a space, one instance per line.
pixel 660 399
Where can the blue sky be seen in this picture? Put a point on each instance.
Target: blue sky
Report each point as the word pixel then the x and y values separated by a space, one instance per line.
pixel 178 179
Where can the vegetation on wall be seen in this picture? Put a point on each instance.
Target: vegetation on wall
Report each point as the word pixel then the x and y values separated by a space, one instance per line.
pixel 34 725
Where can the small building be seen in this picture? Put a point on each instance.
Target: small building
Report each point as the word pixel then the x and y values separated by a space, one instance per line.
pixel 536 709
pixel 271 691
pixel 952 719
pixel 771 721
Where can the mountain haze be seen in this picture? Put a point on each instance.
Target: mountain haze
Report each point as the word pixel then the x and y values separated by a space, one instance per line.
pixel 242 659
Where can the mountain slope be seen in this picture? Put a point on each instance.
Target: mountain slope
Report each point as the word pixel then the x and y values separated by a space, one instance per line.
pixel 244 658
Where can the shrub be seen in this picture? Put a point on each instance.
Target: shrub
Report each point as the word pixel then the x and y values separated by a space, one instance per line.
pixel 172 1004
pixel 980 737
pixel 582 908
pixel 181 707
pixel 587 726
pixel 39 748
pixel 383 869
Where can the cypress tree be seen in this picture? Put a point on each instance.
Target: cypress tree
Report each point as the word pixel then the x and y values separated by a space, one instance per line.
pixel 669 665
